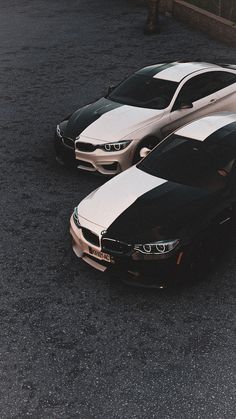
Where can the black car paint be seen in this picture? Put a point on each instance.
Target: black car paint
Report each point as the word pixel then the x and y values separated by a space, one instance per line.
pixel 155 69
pixel 72 126
pixel 85 116
pixel 202 221
pixel 170 211
pixel 79 120
pixel 197 216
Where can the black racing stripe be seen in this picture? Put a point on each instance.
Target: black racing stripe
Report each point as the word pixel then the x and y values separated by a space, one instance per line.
pixel 163 212
pixel 155 69
pixel 84 117
pixel 225 135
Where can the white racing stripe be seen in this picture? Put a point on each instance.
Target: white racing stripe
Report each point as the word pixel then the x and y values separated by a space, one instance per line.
pixel 204 127
pixel 120 122
pixel 105 204
pixel 181 70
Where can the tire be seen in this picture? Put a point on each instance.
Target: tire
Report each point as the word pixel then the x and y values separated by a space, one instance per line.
pixel 199 258
pixel 149 142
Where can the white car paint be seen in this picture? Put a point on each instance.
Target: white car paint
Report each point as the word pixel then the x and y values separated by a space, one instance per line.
pixel 203 128
pixel 104 205
pixel 120 123
pixel 181 70
pixel 205 106
pixel 134 123
pixel 117 194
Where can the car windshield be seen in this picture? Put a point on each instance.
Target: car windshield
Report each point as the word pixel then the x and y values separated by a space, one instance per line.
pixel 144 91
pixel 190 162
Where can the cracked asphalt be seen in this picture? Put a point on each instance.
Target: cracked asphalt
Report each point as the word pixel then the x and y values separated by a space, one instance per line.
pixel 75 343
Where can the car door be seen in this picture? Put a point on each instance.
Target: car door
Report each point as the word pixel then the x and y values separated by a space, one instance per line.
pixel 197 97
pixel 227 92
pixel 232 185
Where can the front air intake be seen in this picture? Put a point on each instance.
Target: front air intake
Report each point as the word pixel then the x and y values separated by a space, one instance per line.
pixel 91 237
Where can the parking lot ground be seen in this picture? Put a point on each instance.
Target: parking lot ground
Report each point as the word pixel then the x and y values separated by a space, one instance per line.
pixel 75 343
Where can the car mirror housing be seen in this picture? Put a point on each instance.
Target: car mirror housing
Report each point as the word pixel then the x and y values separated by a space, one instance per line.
pixel 110 89
pixel 144 152
pixel 185 105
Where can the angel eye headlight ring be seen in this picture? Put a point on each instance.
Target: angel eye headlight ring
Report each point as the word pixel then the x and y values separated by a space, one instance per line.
pixel 107 147
pixel 117 146
pixel 157 248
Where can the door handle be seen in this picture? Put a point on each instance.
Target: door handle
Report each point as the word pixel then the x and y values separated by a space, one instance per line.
pixel 212 100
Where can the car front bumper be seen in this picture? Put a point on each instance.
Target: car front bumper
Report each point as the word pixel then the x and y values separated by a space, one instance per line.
pixel 64 154
pixel 106 163
pixel 151 273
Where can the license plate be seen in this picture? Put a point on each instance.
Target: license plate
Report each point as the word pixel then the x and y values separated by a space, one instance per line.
pixel 99 255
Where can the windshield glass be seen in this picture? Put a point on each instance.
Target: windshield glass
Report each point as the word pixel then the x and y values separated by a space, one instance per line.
pixel 190 162
pixel 144 91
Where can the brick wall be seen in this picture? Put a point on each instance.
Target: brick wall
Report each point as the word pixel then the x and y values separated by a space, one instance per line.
pixel 166 5
pixel 217 27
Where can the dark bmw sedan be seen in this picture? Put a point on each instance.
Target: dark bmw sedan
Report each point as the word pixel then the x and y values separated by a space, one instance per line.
pixel 153 219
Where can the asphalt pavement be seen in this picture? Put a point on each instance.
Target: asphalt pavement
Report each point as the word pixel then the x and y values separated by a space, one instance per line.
pixel 75 343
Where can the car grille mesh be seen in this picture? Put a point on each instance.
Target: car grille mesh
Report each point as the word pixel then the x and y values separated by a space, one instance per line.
pixel 116 247
pixel 69 142
pixel 86 147
pixel 91 237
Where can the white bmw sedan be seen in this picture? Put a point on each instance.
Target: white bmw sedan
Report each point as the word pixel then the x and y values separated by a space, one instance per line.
pixel 106 136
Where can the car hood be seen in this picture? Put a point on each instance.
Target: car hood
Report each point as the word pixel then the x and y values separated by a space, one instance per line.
pixel 106 120
pixel 137 207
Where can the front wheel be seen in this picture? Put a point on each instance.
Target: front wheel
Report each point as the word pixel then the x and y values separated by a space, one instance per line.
pixel 149 142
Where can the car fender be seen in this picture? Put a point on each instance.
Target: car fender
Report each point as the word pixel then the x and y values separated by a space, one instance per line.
pixel 153 129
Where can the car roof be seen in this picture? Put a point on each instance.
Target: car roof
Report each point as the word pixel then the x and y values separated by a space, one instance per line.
pixel 175 71
pixel 216 127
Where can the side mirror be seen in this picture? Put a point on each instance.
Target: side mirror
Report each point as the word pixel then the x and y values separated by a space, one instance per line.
pixel 144 152
pixel 110 89
pixel 185 105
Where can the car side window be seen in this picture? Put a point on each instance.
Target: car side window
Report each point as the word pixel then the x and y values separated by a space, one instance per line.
pixel 225 78
pixel 204 85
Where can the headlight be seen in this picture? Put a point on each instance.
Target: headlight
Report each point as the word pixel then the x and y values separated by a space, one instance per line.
pixel 76 217
pixel 120 145
pixel 157 248
pixel 59 131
